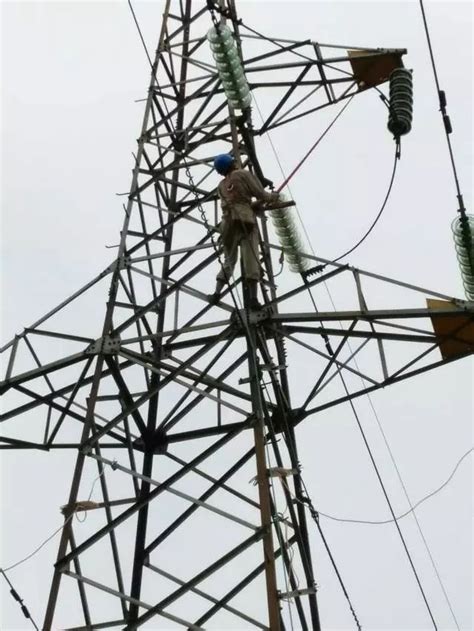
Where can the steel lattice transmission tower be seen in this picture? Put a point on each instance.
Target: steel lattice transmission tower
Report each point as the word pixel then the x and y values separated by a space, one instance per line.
pixel 177 403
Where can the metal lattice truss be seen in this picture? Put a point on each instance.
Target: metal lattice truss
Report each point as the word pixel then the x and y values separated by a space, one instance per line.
pixel 174 403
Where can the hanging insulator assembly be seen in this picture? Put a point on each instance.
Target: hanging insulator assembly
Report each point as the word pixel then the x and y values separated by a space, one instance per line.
pixel 401 102
pixel 290 238
pixel 229 66
pixel 463 230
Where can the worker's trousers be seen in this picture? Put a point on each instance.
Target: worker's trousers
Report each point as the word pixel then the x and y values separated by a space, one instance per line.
pixel 235 233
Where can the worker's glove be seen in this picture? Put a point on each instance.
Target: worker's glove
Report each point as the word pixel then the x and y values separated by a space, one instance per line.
pixel 274 197
pixel 257 207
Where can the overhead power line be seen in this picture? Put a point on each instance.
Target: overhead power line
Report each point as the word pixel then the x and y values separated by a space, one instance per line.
pixel 319 268
pixel 446 119
pixel 19 600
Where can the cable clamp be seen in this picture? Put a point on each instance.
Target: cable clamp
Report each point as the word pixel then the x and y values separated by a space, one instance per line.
pixel 83 505
pixel 107 345
pixel 296 593
pixel 281 472
pixel 272 367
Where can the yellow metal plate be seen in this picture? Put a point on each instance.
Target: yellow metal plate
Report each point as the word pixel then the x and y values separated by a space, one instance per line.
pixel 370 69
pixel 455 334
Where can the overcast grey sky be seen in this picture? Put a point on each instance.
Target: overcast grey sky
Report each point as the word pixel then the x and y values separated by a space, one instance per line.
pixel 71 72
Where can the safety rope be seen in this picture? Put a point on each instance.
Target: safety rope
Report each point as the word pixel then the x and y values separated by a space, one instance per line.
pixel 313 147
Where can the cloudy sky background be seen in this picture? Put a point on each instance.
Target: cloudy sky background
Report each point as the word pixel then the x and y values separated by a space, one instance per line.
pixel 71 73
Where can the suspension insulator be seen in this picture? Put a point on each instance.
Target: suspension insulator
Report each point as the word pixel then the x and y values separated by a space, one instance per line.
pixel 290 239
pixel 229 66
pixel 401 102
pixel 463 230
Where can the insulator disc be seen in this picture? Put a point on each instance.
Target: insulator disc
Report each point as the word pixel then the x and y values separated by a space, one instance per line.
pixel 463 231
pixel 401 102
pixel 242 103
pixel 222 34
pixel 289 238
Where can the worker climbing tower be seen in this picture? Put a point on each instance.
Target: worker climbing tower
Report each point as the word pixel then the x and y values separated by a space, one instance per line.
pixel 174 403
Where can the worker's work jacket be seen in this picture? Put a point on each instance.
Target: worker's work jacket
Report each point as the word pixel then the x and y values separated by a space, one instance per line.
pixel 236 191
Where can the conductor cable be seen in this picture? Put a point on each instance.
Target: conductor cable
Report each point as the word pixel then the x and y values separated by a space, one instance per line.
pixel 20 601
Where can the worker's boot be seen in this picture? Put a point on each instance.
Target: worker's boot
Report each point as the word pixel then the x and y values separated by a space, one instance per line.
pixel 214 298
pixel 252 289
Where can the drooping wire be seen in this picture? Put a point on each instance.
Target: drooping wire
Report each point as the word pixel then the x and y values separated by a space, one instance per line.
pixel 320 268
pixel 412 508
pixel 3 571
pixel 32 554
pixel 382 208
pixel 63 525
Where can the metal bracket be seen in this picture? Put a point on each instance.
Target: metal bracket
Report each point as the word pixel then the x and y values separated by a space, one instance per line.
pixel 297 592
pixel 121 263
pixel 108 345
pixel 243 380
pixel 281 472
pixel 272 367
pixel 258 316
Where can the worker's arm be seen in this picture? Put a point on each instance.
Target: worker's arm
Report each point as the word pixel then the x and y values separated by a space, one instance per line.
pixel 255 188
pixel 223 201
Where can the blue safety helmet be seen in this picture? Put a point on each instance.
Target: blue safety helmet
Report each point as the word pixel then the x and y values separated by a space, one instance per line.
pixel 223 163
